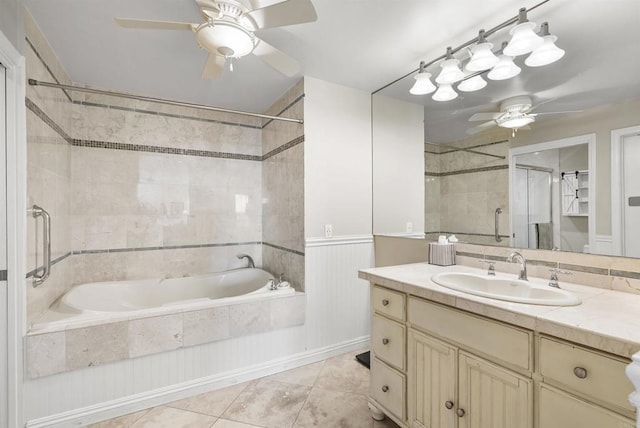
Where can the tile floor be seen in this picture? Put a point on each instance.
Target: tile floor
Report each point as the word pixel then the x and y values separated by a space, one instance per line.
pixel 328 394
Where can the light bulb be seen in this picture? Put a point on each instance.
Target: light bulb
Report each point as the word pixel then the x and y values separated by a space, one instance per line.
pixel 517 121
pixel 473 84
pixel 445 93
pixel 423 84
pixel 546 53
pixel 523 39
pixel 482 58
pixel 504 69
pixel 450 73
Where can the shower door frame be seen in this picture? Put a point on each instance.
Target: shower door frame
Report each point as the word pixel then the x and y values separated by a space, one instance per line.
pixel 16 182
pixel 547 171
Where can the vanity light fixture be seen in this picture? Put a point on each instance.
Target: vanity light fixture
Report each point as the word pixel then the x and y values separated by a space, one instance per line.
pixel 505 68
pixel 445 93
pixel 547 53
pixel 499 64
pixel 423 83
pixel 523 38
pixel 450 73
pixel 482 58
pixel 472 84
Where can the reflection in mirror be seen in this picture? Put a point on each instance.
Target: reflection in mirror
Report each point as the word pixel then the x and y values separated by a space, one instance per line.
pixel 466 167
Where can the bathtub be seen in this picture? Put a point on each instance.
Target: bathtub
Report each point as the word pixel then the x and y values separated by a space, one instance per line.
pixel 90 303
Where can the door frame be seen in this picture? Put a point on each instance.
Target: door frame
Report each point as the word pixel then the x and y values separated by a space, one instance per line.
pixel 617 181
pixel 16 170
pixel 590 141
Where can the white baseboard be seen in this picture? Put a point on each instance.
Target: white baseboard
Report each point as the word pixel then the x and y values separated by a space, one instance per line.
pixel 338 240
pixel 145 400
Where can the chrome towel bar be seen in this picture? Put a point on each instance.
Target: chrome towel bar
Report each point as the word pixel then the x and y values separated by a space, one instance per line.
pixel 498 212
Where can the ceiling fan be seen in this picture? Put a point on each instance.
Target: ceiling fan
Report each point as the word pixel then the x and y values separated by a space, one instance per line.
pixel 515 113
pixel 227 31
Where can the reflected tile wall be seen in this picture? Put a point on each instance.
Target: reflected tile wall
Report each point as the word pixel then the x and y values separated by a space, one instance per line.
pixel 48 169
pixel 283 189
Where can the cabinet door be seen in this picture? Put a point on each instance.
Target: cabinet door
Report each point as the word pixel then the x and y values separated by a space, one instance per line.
pixel 561 410
pixel 493 397
pixel 432 382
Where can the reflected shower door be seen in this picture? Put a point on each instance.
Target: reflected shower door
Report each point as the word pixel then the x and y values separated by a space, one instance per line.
pixel 533 207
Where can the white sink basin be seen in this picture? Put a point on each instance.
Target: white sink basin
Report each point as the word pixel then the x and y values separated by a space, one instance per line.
pixel 512 290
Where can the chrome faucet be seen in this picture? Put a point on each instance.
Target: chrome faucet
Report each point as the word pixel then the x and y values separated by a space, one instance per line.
pixel 516 257
pixel 250 263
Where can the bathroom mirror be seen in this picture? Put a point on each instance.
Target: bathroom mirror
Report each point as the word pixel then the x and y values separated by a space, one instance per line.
pixel 470 183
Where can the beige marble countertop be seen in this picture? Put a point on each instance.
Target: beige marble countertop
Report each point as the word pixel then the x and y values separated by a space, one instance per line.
pixel 606 320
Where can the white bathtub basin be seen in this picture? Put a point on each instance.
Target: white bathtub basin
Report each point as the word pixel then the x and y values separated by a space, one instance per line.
pixel 501 288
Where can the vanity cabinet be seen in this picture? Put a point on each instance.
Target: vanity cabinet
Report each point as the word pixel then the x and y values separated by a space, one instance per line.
pixel 434 366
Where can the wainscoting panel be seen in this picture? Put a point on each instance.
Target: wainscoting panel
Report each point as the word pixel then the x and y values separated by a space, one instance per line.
pixel 337 301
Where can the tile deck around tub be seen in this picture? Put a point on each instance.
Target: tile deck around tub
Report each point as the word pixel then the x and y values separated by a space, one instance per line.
pixel 327 394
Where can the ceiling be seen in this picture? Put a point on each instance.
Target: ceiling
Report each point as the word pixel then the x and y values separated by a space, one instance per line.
pixel 363 44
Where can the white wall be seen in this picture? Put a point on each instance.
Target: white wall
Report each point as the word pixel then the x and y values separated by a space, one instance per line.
pixel 398 162
pixel 337 159
pixel 11 22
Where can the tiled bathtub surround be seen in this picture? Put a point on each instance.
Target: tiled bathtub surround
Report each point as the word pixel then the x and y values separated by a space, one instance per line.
pixel 75 348
pixel 614 273
pixel 464 188
pixel 283 189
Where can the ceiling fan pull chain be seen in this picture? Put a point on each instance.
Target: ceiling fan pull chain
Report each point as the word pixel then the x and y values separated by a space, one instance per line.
pixel 230 64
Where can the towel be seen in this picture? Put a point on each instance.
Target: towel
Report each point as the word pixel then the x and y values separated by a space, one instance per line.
pixel 544 235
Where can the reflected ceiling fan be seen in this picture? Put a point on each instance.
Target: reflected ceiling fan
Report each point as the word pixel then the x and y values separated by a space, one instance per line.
pixel 515 113
pixel 227 31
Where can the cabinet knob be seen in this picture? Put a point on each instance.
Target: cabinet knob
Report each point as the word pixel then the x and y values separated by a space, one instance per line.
pixel 580 372
pixel 385 388
pixel 448 404
pixel 460 412
pixel 385 341
pixel 385 302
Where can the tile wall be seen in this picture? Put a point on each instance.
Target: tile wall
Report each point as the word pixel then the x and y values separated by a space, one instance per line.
pixel 463 189
pixel 139 190
pixel 283 189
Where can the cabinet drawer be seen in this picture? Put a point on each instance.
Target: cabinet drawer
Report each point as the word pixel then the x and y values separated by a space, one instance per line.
pixel 388 341
pixel 499 341
pixel 586 372
pixel 561 410
pixel 388 388
pixel 389 303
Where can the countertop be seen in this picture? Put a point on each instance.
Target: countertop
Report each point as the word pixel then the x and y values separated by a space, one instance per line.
pixel 606 320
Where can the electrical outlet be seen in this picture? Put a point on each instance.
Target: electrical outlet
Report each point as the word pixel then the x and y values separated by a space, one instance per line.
pixel 328 231
pixel 409 227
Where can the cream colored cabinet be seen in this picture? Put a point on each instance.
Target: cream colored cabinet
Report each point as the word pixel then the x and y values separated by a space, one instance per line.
pixel 452 388
pixel 434 366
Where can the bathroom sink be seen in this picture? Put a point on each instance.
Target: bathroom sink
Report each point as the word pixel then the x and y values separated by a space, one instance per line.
pixel 501 288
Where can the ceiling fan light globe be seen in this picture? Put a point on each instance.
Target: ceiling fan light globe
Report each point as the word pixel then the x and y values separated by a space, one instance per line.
pixel 450 73
pixel 515 122
pixel 225 38
pixel 523 39
pixel 474 84
pixel 482 58
pixel 423 84
pixel 445 93
pixel 546 54
pixel 505 69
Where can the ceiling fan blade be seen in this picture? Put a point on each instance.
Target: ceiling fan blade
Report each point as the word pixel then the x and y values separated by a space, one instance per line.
pixel 541 103
pixel 289 12
pixel 557 112
pixel 154 25
pixel 276 59
pixel 481 127
pixel 485 116
pixel 214 67
pixel 257 4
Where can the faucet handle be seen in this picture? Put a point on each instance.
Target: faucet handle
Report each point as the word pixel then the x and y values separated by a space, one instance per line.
pixel 553 281
pixel 492 266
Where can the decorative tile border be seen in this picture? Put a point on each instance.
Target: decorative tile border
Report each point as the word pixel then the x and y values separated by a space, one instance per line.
pixel 284 147
pixel 278 247
pixel 3 275
pixel 586 269
pixel 291 104
pixel 46 66
pixel 153 149
pixel 458 149
pixel 488 235
pixel 466 171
